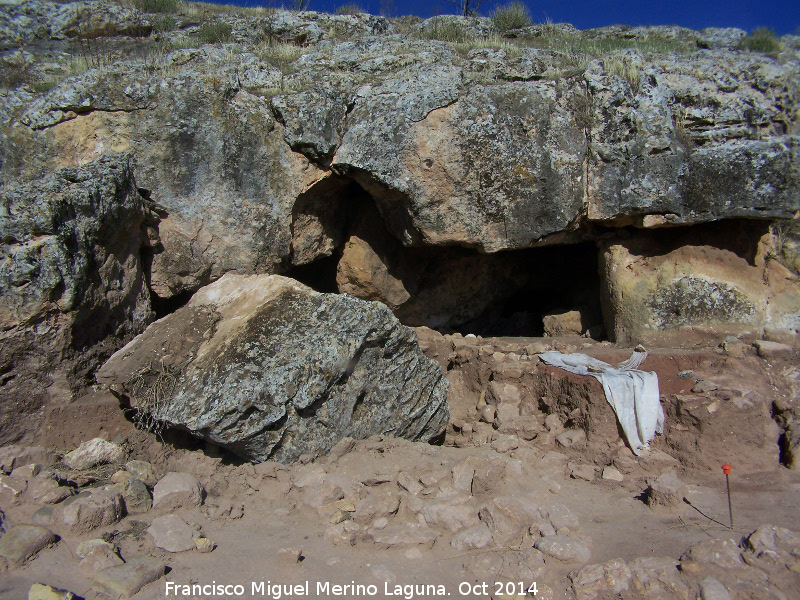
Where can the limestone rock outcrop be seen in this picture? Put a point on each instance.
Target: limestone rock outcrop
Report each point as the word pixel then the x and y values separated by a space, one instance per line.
pixel 270 369
pixel 71 280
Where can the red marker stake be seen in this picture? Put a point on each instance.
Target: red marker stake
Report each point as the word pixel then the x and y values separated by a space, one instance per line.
pixel 727 470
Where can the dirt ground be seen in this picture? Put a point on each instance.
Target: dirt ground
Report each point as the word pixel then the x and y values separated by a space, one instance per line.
pixel 405 497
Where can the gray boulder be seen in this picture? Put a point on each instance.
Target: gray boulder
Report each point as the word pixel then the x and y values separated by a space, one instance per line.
pixel 270 369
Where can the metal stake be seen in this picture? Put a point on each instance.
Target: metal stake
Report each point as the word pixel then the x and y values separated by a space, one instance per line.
pixel 727 470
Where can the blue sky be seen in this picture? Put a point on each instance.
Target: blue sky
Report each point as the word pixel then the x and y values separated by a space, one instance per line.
pixel 781 15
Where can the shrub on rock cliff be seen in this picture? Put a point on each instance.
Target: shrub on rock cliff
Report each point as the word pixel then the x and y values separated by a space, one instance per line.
pixel 761 39
pixel 351 8
pixel 157 6
pixel 511 16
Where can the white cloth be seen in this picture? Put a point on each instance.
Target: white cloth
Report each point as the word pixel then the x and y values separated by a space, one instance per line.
pixel 633 394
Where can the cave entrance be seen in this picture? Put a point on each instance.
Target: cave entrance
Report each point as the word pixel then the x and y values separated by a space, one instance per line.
pixel 341 243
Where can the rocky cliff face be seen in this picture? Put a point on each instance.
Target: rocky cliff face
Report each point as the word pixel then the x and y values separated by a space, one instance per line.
pixel 424 164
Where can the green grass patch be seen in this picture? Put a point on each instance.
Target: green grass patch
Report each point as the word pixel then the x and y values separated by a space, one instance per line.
pixel 158 6
pixel 445 31
pixel 215 33
pixel 511 16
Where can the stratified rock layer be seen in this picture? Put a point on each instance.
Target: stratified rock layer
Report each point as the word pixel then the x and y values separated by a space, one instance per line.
pixel 271 369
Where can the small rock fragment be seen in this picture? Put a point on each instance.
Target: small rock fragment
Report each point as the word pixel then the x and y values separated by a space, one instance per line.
pixel 177 490
pixel 126 580
pixel 667 490
pixel 21 542
pixel 92 453
pixel 101 557
pixel 608 578
pixel 290 555
pixel 472 538
pixel 711 589
pixel 704 386
pixel 143 471
pixel 564 548
pixel 612 474
pixel 767 349
pixel 171 533
pixel 84 548
pixel 96 509
pixel 137 496
pixel 571 438
pixel 582 471
pixel 204 545
pixel 40 591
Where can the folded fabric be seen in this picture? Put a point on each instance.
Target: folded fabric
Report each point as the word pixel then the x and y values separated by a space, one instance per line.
pixel 633 394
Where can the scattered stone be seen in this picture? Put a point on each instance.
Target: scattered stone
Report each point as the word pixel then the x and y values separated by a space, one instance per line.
pixel 658 578
pixel 126 580
pixel 552 423
pixel 12 457
pixel 43 517
pixel 560 516
pixel 667 490
pixel 21 542
pixel 688 374
pixel 772 539
pixel 40 591
pixel 101 557
pixel 84 548
pixel 404 535
pixel 608 578
pixel 503 393
pixel 724 554
pixel 463 473
pixel 472 538
pixel 564 548
pixel 92 453
pixel 143 471
pixel 290 556
pixel 487 414
pixel 12 487
pixel 28 471
pixel 612 474
pixel 506 516
pixel 409 483
pixel 571 437
pixel 177 490
pixel 582 471
pixel 767 349
pixel 120 477
pixel 204 545
pixel 137 496
pixel 505 443
pixel 711 589
pixel 96 509
pixel 380 503
pixel 171 533
pixel 453 513
pixel 566 323
pixel 703 386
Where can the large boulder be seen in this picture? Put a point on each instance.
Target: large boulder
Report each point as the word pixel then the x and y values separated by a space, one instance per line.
pixel 71 282
pixel 270 369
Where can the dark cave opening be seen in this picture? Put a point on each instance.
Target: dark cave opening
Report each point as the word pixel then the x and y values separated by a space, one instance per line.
pixel 166 306
pixel 450 289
